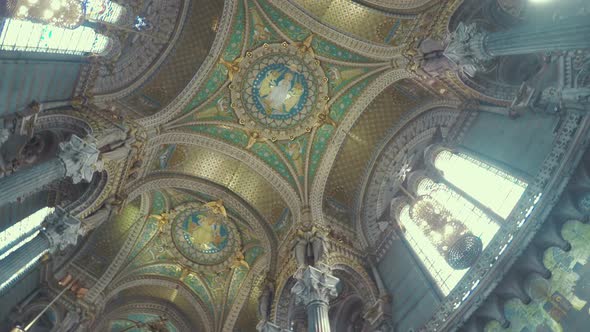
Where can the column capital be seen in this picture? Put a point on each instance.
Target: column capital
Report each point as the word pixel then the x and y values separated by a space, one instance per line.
pixel 61 230
pixel 315 285
pixel 466 49
pixel 80 159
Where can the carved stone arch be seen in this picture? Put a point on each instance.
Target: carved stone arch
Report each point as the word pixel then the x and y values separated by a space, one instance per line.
pixel 362 47
pixel 399 6
pixel 281 186
pixel 95 294
pixel 244 210
pixel 183 99
pixel 63 123
pixel 282 304
pixel 359 279
pixel 340 134
pixel 94 195
pixel 416 128
pixel 242 296
pixel 144 305
pixel 132 81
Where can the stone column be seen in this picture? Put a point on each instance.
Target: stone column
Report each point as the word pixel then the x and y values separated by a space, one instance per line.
pixel 76 159
pixel 314 288
pixel 473 49
pixel 61 230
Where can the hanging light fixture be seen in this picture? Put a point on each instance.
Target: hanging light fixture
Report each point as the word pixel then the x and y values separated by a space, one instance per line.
pixel 450 237
pixel 60 13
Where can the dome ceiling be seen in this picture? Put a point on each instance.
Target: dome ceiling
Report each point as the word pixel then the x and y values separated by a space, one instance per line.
pixel 251 134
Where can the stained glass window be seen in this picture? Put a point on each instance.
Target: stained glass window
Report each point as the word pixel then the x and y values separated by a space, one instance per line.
pixel 474 219
pixel 446 278
pixel 22 232
pixel 430 245
pixel 103 10
pixel 490 186
pixel 18 35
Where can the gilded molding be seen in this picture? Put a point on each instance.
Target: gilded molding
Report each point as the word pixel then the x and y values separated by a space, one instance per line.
pixel 157 307
pixel 408 131
pixel 161 180
pixel 135 231
pixel 401 5
pixel 340 135
pixel 281 186
pixel 245 288
pixel 370 50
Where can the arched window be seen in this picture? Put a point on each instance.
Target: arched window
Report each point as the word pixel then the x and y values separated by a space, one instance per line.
pixel 25 36
pixel 447 225
pixel 444 275
pixel 17 236
pixel 490 186
pixel 103 11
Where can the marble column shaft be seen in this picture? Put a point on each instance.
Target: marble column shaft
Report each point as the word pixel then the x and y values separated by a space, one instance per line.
pixel 473 49
pixel 569 34
pixel 315 288
pixel 318 319
pixel 30 180
pixel 61 231
pixel 76 159
pixel 13 263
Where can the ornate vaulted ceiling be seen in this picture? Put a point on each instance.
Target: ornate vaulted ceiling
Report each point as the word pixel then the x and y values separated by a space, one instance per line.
pixel 252 129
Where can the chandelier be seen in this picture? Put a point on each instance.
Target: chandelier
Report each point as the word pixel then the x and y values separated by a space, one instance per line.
pixel 449 236
pixel 60 13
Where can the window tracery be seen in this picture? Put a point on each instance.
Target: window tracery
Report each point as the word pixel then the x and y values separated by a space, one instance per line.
pixel 25 36
pixel 491 186
pixel 446 222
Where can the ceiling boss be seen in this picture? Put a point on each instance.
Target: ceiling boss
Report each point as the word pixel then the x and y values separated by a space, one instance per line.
pixel 278 90
pixel 204 236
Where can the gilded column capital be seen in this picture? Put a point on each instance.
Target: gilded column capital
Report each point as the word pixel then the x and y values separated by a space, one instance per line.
pixel 315 285
pixel 80 159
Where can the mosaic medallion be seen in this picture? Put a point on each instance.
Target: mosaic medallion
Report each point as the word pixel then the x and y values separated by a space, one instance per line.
pixel 203 237
pixel 278 91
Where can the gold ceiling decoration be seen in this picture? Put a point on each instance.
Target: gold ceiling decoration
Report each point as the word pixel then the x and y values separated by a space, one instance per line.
pixel 204 237
pixel 278 90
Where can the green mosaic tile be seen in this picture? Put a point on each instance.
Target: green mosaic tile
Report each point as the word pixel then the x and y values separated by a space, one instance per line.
pixel 149 230
pixel 158 203
pixel 197 286
pixel 340 76
pixel 260 31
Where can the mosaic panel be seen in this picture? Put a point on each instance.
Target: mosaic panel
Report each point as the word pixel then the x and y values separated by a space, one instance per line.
pixel 197 286
pixel 235 176
pixel 363 22
pixel 298 33
pixel 371 127
pixel 260 32
pixel 232 50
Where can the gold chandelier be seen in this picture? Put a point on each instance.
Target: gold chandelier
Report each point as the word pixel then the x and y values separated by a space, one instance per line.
pixel 60 13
